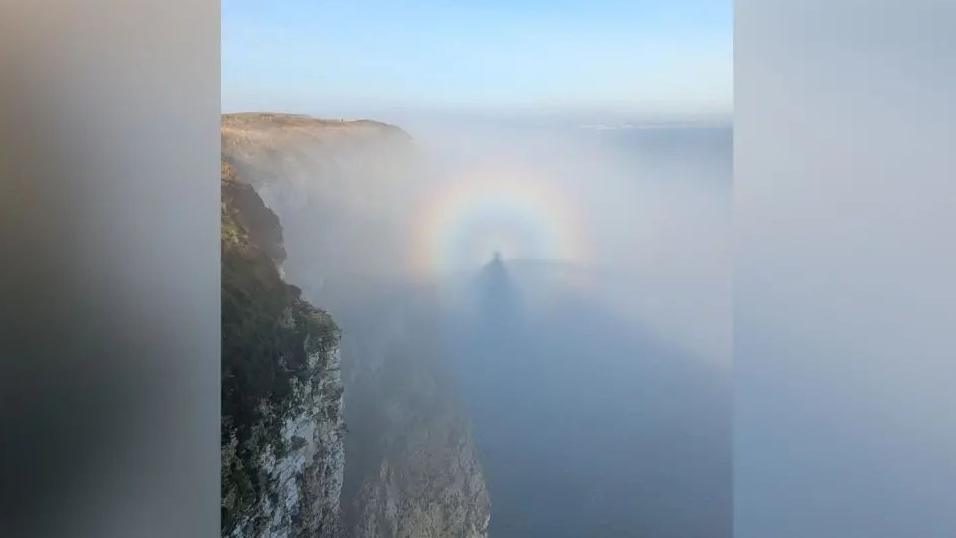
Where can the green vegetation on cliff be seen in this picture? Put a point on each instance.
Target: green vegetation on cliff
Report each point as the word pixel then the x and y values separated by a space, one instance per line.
pixel 269 337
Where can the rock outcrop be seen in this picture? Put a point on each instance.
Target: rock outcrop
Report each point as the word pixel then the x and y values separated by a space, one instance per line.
pixel 282 423
pixel 411 466
pixel 430 487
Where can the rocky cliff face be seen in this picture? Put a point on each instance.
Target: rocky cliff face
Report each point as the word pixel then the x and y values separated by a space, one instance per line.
pixel 411 466
pixel 429 485
pixel 282 425
pixel 411 469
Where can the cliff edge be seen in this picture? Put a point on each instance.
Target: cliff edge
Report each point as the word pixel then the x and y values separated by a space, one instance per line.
pixel 282 426
pixel 411 465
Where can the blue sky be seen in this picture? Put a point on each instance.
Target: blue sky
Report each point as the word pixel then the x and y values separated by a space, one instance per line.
pixel 661 58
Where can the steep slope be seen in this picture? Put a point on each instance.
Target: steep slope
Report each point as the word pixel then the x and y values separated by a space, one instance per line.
pixel 282 425
pixel 411 467
pixel 427 483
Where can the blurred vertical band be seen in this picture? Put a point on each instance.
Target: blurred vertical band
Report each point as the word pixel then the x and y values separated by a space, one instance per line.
pixel 845 284
pixel 109 268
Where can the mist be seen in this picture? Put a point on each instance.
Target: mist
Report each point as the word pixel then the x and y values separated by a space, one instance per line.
pixel 564 281
pixel 844 276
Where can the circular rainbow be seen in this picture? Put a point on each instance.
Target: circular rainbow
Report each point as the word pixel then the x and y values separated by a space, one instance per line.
pixel 467 220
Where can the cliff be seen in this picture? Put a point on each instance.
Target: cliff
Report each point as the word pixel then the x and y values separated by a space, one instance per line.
pixel 427 484
pixel 282 426
pixel 338 186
